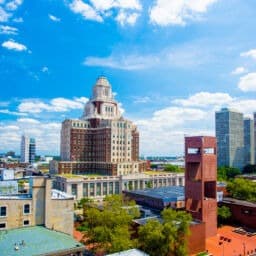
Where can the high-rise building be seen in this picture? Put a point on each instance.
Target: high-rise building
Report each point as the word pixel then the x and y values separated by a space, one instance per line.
pixel 28 150
pixel 102 140
pixel 249 157
pixel 230 138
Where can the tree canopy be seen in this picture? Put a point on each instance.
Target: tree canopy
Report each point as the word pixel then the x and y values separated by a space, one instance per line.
pixel 249 168
pixel 242 189
pixel 168 237
pixel 223 214
pixel 226 173
pixel 108 228
pixel 172 168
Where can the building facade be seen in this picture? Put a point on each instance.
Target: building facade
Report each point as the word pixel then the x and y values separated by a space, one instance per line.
pixel 200 181
pixel 27 150
pixel 102 140
pixel 41 206
pixel 249 147
pixel 97 188
pixel 230 138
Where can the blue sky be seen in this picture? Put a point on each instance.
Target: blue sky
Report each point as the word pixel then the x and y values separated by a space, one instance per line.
pixel 171 63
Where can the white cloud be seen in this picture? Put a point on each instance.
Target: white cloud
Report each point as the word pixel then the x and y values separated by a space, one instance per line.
pixel 18 20
pixel 144 99
pixel 8 30
pixel 247 83
pixel 205 99
pixel 47 135
pixel 178 12
pixel 8 112
pixel 127 11
pixel 128 62
pixel 35 106
pixel 104 5
pixel 251 53
pixel 78 6
pixel 12 45
pixel 54 18
pixel 127 18
pixel 13 5
pixel 239 71
pixel 45 69
pixel 4 16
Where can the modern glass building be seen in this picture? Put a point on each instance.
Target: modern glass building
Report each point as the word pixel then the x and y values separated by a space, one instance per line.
pixel 249 157
pixel 229 128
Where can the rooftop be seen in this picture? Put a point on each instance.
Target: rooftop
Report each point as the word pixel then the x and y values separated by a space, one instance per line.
pixel 131 252
pixel 238 202
pixel 35 241
pixel 171 193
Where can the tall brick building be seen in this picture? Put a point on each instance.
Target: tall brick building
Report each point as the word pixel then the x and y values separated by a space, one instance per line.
pixel 102 140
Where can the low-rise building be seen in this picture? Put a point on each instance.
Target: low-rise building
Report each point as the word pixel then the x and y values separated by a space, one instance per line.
pixel 97 187
pixel 41 206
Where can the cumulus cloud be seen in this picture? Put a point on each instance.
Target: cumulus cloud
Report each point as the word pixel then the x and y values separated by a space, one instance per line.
pixel 205 99
pixel 12 45
pixel 4 16
pixel 127 11
pixel 127 18
pixel 35 106
pixel 178 12
pixel 46 135
pixel 251 53
pixel 54 18
pixel 247 83
pixel 45 69
pixel 239 71
pixel 8 30
pixel 89 13
pixel 13 5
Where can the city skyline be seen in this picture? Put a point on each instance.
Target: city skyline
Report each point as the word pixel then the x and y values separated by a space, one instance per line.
pixel 164 70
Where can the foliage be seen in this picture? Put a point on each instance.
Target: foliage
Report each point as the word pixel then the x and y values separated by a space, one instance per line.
pixel 168 237
pixel 227 173
pixel 108 228
pixel 149 184
pixel 223 214
pixel 249 168
pixel 172 168
pixel 242 189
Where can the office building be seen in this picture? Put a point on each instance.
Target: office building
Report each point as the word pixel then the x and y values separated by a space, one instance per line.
pixel 28 150
pixel 102 140
pixel 230 138
pixel 249 154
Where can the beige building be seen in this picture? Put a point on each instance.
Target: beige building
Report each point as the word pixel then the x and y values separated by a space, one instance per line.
pixel 41 206
pixel 102 140
pixel 100 186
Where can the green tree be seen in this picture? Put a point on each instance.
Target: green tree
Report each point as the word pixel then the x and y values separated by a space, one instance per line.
pixel 108 228
pixel 242 189
pixel 223 214
pixel 170 235
pixel 172 168
pixel 227 173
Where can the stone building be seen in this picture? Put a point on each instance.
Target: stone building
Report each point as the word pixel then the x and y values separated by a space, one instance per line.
pixel 102 140
pixel 41 206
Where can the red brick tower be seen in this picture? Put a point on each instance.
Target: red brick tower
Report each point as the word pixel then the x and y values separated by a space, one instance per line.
pixel 200 181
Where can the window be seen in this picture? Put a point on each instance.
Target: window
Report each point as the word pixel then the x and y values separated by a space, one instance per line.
pixel 2 225
pixel 26 208
pixel 25 222
pixel 3 211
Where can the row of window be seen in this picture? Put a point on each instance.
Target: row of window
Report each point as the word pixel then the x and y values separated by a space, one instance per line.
pixel 4 210
pixel 3 225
